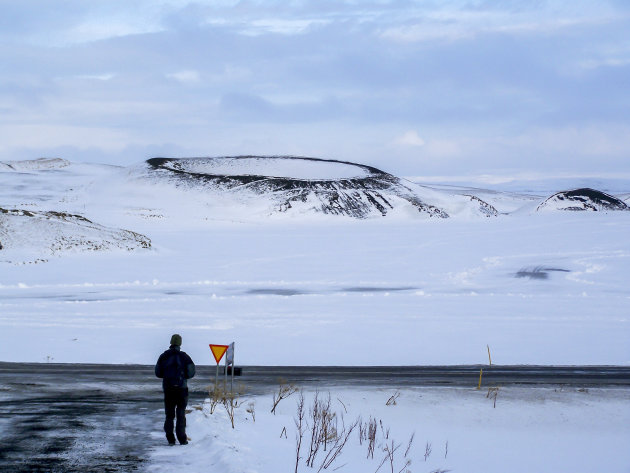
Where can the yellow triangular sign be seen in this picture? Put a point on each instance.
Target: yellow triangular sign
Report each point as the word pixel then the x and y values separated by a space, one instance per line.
pixel 218 351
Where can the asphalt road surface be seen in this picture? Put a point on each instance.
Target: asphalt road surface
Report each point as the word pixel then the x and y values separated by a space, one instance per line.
pixel 98 418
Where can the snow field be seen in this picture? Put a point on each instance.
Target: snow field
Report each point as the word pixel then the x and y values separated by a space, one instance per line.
pixel 360 293
pixel 531 429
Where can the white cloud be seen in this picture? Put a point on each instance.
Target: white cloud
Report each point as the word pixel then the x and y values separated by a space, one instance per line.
pixel 185 77
pixel 53 135
pixel 453 24
pixel 101 77
pixel 98 22
pixel 608 55
pixel 596 141
pixel 229 74
pixel 410 138
pixel 443 149
pixel 281 26
pixel 94 30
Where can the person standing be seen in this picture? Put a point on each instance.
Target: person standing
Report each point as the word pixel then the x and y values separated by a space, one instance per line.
pixel 175 367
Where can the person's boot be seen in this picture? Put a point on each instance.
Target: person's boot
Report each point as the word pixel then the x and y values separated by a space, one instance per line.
pixel 171 439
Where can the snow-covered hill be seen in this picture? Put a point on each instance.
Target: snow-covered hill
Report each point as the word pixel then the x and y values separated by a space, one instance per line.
pixel 263 186
pixel 50 233
pixel 584 199
pixel 34 164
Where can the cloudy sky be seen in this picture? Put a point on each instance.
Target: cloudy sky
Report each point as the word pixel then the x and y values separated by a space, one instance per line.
pixel 412 87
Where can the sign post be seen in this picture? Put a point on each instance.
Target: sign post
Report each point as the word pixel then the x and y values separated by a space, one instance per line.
pixel 229 361
pixel 217 351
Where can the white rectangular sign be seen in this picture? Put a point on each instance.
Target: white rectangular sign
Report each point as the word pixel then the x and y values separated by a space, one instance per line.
pixel 229 356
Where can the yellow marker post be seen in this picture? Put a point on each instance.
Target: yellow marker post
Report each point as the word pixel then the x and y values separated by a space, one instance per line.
pixel 480 374
pixel 217 351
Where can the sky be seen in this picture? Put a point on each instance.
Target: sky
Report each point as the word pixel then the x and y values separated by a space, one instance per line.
pixel 411 87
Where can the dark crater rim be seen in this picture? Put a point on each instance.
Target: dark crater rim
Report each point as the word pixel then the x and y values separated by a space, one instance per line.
pixel 372 172
pixel 585 192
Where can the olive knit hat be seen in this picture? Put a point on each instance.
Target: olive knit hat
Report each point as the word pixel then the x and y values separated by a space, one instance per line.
pixel 176 339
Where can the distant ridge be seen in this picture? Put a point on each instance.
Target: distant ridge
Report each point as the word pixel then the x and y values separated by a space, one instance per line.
pixel 583 199
pixel 38 164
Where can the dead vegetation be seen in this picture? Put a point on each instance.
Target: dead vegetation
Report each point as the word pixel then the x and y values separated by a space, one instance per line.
pixel 228 399
pixel 326 433
pixel 284 391
pixel 322 431
pixel 493 392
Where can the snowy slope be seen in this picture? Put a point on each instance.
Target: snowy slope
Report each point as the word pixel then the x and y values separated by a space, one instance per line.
pixel 41 215
pixel 51 233
pixel 503 201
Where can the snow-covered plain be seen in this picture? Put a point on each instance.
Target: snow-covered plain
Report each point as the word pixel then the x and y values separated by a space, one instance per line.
pixel 537 288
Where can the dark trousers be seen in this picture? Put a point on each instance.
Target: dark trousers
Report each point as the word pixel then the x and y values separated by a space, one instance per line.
pixel 175 401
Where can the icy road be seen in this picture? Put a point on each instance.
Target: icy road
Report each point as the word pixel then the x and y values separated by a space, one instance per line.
pixel 77 418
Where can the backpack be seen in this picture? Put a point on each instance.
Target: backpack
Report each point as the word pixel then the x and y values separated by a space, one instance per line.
pixel 174 371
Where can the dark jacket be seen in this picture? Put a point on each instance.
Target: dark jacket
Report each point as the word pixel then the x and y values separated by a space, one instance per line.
pixel 174 350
